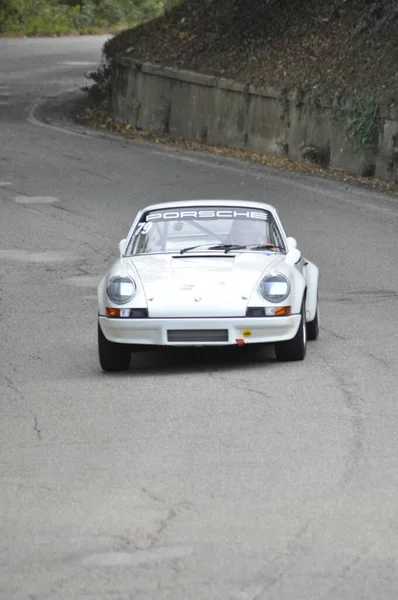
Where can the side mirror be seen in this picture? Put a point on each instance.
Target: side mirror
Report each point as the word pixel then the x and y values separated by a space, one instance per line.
pixel 293 256
pixel 122 245
pixel 291 243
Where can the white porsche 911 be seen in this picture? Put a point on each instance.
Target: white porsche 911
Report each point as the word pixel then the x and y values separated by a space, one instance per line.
pixel 207 273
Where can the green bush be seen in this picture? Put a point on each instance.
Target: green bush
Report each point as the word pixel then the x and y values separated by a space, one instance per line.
pixel 55 17
pixel 317 155
pixel 100 89
pixel 10 13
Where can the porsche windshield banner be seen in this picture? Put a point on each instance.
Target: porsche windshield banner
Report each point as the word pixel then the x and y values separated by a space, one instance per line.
pixel 193 214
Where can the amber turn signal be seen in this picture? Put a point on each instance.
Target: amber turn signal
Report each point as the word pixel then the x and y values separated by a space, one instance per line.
pixel 117 312
pixel 275 311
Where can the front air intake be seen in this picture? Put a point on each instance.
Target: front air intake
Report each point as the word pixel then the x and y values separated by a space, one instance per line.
pixel 255 311
pixel 197 335
pixel 138 313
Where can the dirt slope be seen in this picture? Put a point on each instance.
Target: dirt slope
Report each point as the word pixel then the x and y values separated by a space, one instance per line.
pixel 328 46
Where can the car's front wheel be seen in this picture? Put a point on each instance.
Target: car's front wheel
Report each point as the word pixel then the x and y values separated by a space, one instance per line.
pixel 296 348
pixel 112 356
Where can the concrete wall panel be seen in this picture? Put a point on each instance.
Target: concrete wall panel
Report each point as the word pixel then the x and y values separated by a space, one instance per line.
pixel 221 112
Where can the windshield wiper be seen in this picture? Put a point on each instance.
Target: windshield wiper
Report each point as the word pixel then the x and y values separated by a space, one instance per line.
pixel 264 247
pixel 227 247
pixel 192 248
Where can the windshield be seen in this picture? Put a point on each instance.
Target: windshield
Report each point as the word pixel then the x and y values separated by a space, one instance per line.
pixel 205 229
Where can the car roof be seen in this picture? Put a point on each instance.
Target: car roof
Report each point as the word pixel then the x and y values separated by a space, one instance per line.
pixel 213 202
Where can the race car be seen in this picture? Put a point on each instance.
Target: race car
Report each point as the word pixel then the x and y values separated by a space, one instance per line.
pixel 207 273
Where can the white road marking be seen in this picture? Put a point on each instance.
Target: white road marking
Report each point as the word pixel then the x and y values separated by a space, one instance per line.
pixel 33 121
pixel 35 200
pixel 4 103
pixel 4 183
pixel 78 63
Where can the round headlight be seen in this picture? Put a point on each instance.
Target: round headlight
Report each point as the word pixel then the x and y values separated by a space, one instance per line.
pixel 275 288
pixel 121 289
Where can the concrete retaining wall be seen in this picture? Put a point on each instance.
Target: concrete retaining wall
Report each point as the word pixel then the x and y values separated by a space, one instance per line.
pixel 222 112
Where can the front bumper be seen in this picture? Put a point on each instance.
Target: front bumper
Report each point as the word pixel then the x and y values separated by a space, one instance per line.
pixel 200 331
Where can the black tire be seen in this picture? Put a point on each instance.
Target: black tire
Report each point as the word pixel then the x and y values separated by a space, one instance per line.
pixel 313 327
pixel 112 356
pixel 296 348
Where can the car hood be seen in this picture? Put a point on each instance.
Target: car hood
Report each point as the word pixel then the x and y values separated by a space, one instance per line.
pixel 217 285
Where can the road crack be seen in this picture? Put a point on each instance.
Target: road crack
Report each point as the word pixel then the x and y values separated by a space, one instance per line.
pixel 353 402
pixel 11 385
pixel 171 515
pixel 163 524
pixel 244 386
pixel 36 427
pixel 296 548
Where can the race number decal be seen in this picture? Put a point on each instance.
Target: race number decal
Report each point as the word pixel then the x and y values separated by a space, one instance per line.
pixel 143 228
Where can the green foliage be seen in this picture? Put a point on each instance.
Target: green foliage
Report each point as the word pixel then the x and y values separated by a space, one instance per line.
pixel 284 101
pixel 317 155
pixel 57 17
pixel 312 101
pixel 363 113
pixel 99 91
pixel 308 99
pixel 361 118
pixel 10 11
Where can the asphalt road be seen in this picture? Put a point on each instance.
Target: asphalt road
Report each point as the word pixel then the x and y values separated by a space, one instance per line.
pixel 217 475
